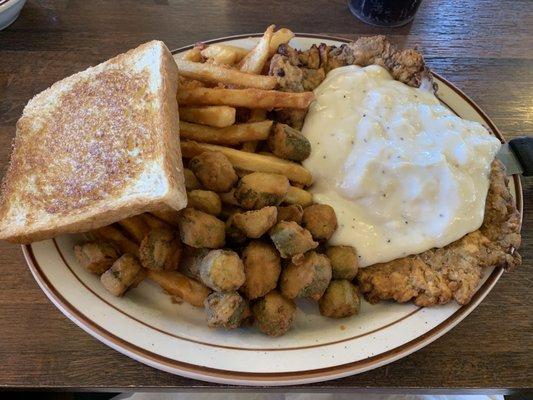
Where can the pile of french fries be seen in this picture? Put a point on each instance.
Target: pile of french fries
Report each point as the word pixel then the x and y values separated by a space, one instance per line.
pixel 224 97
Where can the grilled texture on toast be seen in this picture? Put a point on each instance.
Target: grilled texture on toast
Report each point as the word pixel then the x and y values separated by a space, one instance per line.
pixel 96 147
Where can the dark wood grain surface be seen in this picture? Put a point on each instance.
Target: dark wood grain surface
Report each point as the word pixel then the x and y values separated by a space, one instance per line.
pixel 485 47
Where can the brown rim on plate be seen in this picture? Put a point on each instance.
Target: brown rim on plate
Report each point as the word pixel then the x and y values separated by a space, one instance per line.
pixel 226 376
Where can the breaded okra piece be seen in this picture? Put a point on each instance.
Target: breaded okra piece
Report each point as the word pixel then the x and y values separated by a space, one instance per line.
pixel 320 220
pixel 254 223
pixel 291 239
pixel 274 314
pixel 260 189
pixel 343 260
pixel 262 267
pixel 199 229
pixel 204 200
pixel 121 275
pixel 307 277
pixel 288 143
pixel 225 310
pixel 341 299
pixel 160 250
pixel 214 171
pixel 294 212
pixel 222 270
pixel 96 257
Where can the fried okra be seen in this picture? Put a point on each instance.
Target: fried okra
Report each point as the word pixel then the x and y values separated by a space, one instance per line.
pixel 160 250
pixel 191 181
pixel 96 257
pixel 122 274
pixel 291 239
pixel 343 260
pixel 225 310
pixel 214 171
pixel 288 143
pixel 260 189
pixel 320 220
pixel 306 277
pixel 205 200
pixel 222 270
pixel 262 266
pixel 199 229
pixel 255 223
pixel 190 261
pixel 293 212
pixel 274 314
pixel 233 234
pixel 341 299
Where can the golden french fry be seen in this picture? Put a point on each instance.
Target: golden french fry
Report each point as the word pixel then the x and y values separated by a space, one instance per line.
pixel 299 196
pixel 136 227
pixel 250 147
pixel 281 36
pixel 249 98
pixel 251 161
pixel 154 222
pixel 224 53
pixel 256 115
pixel 255 60
pixel 217 116
pixel 193 54
pixel 233 134
pixel 217 74
pixel 177 284
pixel 113 234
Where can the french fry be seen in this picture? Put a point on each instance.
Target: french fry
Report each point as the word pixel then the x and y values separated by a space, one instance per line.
pixel 136 227
pixel 249 98
pixel 256 115
pixel 299 196
pixel 217 74
pixel 113 234
pixel 224 53
pixel 251 161
pixel 155 223
pixel 193 54
pixel 177 284
pixel 217 116
pixel 255 60
pixel 230 135
pixel 281 36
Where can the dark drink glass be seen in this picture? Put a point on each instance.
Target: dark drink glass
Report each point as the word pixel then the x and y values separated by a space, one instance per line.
pixel 391 13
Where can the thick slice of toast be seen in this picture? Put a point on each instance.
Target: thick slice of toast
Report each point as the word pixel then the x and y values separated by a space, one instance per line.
pixel 96 147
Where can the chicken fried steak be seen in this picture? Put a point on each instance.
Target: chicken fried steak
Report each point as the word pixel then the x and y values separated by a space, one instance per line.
pixel 453 272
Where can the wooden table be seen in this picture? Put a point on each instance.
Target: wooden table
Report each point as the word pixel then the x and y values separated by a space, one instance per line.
pixel 485 47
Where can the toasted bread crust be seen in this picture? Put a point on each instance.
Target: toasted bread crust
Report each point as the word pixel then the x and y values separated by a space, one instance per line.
pixel 96 147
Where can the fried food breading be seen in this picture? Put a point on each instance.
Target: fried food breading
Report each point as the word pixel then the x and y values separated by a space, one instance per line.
pixel 406 66
pixel 298 71
pixel 439 275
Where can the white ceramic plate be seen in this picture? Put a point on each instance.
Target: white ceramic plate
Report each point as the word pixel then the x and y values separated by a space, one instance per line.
pixel 148 327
